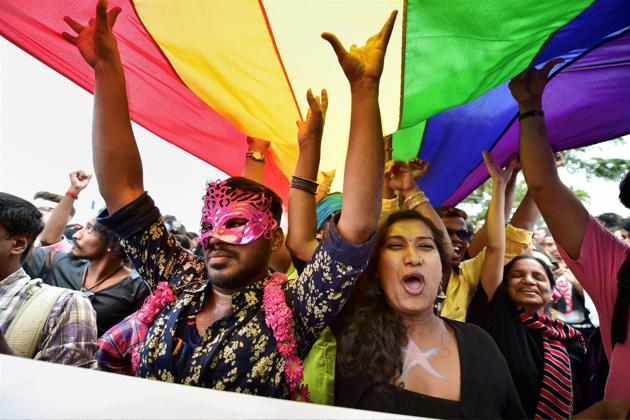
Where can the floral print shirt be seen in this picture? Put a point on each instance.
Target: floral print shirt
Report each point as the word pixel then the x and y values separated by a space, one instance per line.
pixel 238 352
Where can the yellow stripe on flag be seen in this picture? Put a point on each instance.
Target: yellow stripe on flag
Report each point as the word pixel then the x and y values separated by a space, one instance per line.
pixel 311 63
pixel 223 52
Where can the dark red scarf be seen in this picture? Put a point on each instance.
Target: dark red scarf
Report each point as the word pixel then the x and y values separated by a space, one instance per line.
pixel 555 399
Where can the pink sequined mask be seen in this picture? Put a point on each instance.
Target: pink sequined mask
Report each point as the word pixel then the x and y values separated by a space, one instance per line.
pixel 235 216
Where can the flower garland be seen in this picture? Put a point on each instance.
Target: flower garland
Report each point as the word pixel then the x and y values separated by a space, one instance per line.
pixel 161 296
pixel 278 317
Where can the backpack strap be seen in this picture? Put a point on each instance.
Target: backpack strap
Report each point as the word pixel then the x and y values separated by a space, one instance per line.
pixel 619 328
pixel 24 332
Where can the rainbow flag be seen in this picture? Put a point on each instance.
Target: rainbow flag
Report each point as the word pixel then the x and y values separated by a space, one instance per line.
pixel 205 74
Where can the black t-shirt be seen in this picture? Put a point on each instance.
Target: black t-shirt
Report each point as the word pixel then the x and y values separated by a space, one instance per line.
pixel 522 347
pixel 487 390
pixel 111 304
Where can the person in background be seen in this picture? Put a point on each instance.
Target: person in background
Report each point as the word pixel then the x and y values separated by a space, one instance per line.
pixel 594 255
pixel 38 321
pixel 46 202
pixel 545 356
pixel 623 230
pixel 96 265
pixel 466 275
pixel 53 237
pixel 538 238
pixel 609 220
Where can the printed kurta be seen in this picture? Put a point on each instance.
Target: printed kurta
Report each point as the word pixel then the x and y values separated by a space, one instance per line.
pixel 238 352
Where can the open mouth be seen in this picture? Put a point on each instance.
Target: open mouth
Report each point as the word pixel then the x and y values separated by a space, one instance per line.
pixel 413 284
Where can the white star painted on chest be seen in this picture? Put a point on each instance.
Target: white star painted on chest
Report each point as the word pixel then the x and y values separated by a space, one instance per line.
pixel 414 356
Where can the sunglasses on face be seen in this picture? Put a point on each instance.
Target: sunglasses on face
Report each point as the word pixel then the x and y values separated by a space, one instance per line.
pixel 462 234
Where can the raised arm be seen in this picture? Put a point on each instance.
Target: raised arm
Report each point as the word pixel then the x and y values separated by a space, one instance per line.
pixel 117 163
pixel 363 177
pixel 492 267
pixel 401 177
pixel 325 180
pixel 478 242
pixel 254 163
pixel 563 212
pixel 301 238
pixel 53 231
pixel 254 168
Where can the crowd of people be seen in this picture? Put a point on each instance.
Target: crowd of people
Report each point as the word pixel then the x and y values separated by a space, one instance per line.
pixel 374 299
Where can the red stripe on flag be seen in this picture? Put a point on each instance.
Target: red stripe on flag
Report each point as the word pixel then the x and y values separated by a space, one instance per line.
pixel 158 99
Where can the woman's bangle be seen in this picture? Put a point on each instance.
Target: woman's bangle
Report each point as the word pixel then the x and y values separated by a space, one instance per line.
pixel 72 195
pixel 304 184
pixel 415 200
pixel 532 113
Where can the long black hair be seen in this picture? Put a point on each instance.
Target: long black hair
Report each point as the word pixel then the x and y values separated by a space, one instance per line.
pixel 369 331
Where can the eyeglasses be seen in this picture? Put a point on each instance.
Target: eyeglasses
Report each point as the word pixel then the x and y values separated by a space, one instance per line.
pixel 462 234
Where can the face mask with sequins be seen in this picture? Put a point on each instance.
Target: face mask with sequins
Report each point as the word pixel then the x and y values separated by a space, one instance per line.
pixel 235 216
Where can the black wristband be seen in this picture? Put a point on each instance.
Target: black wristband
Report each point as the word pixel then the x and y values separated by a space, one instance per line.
pixel 304 184
pixel 533 113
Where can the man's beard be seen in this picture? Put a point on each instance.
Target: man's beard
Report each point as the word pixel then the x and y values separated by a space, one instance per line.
pixel 236 279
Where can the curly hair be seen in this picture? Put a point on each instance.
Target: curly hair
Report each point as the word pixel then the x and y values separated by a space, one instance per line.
pixel 110 240
pixel 370 332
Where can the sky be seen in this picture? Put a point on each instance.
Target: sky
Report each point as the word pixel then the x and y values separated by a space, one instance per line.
pixel 45 133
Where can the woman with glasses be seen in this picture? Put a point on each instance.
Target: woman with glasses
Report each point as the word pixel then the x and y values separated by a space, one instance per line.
pixel 97 265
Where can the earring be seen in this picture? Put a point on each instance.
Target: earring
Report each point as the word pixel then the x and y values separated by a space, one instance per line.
pixel 109 250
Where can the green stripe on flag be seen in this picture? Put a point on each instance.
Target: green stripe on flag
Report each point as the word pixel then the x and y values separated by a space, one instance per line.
pixel 456 50
pixel 406 142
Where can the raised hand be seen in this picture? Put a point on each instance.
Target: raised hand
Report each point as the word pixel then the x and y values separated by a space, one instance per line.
pixel 79 180
pixel 95 42
pixel 419 167
pixel 312 128
pixel 326 177
pixel 399 176
pixel 364 63
pixel 527 88
pixel 259 145
pixel 500 176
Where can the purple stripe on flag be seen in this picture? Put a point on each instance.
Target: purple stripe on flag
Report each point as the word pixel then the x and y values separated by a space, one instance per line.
pixel 585 103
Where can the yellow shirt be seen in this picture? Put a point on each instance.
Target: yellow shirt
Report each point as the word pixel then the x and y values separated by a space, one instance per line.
pixel 463 286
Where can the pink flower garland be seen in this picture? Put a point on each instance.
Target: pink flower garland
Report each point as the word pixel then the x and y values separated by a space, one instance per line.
pixel 161 296
pixel 278 317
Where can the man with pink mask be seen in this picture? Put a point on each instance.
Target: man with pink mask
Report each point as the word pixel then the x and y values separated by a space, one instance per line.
pixel 223 322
